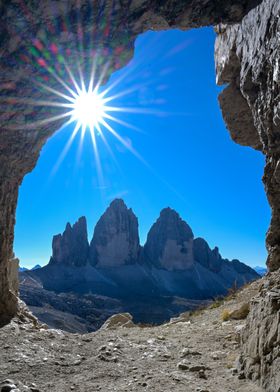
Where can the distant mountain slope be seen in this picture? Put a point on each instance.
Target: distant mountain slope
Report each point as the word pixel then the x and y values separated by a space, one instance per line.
pixel 22 269
pixel 260 270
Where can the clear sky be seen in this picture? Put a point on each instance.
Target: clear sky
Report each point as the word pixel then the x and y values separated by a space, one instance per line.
pixel 191 163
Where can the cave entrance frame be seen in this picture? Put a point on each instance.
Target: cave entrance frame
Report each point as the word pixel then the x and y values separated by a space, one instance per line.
pixel 247 116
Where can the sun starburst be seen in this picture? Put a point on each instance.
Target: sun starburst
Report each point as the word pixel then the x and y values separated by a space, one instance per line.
pixel 89 109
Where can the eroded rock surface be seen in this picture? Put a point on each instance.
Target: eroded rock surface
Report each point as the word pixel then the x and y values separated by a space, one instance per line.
pixel 171 263
pixel 260 358
pixel 247 58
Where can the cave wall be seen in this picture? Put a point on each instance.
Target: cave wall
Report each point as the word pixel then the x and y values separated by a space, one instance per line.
pixel 248 60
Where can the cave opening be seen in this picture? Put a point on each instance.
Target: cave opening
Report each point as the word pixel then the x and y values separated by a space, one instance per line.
pixel 177 144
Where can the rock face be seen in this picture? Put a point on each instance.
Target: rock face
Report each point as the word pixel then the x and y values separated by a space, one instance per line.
pixel 170 245
pixel 260 358
pixel 71 248
pixel 170 242
pixel 247 59
pixel 115 240
pixel 210 259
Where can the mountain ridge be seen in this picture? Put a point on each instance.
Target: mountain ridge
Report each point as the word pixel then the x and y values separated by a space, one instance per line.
pixel 171 262
pixel 153 282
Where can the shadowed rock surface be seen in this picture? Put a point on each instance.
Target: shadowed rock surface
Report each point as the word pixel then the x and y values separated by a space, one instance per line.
pixel 71 247
pixel 170 242
pixel 115 239
pixel 247 59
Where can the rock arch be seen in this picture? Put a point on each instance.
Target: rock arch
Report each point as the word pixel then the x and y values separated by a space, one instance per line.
pixel 247 57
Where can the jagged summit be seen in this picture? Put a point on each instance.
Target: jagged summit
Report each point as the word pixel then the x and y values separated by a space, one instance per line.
pixel 171 261
pixel 169 242
pixel 118 203
pixel 210 259
pixel 142 280
pixel 71 247
pixel 115 239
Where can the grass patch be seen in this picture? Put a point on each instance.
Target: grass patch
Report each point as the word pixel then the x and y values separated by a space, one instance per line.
pixel 237 314
pixel 225 315
pixel 241 313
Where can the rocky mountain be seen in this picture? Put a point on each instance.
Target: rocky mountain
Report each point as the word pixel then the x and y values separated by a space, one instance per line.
pixel 170 242
pixel 71 247
pixel 22 269
pixel 171 264
pixel 37 266
pixel 115 240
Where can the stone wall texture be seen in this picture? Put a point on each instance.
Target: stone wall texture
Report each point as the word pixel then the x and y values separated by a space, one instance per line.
pixel 247 59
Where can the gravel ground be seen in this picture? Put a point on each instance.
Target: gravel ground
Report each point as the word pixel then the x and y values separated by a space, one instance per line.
pixel 190 354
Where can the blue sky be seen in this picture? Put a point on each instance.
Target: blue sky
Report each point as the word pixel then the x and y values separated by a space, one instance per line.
pixel 192 164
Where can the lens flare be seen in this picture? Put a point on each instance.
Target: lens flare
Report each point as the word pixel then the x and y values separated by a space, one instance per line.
pixel 89 109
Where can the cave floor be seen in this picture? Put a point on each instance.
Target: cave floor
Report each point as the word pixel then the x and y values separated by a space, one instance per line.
pixel 190 354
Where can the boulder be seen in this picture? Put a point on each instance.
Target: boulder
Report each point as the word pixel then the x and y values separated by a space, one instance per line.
pixel 119 320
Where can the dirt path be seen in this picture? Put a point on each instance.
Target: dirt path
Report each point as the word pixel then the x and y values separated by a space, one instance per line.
pixel 198 355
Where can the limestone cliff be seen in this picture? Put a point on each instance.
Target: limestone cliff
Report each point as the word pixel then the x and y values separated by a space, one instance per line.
pixel 205 256
pixel 247 58
pixel 115 239
pixel 71 248
pixel 170 242
pixel 171 262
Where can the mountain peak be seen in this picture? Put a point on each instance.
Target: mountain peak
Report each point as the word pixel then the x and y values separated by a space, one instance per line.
pixel 116 203
pixel 169 242
pixel 115 240
pixel 168 211
pixel 71 247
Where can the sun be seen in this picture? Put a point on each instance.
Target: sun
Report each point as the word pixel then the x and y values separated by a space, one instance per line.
pixel 89 109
